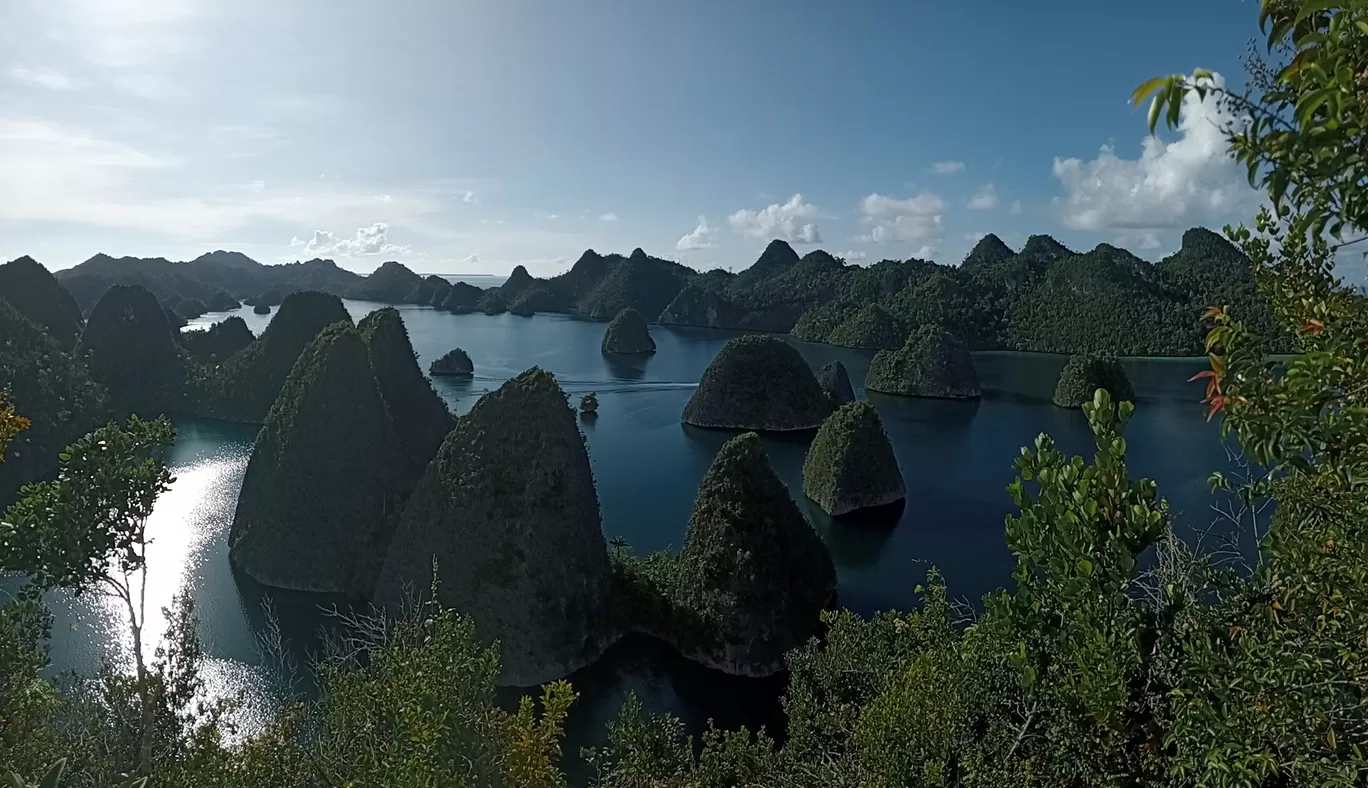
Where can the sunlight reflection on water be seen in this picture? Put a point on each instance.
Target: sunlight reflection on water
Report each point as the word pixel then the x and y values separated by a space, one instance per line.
pixel 188 527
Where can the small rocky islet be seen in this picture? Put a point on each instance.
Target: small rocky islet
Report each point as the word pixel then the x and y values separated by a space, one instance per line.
pixel 1083 375
pixel 454 363
pixel 850 464
pixel 628 334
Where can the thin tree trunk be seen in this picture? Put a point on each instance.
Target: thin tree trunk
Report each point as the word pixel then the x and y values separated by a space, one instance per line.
pixel 144 686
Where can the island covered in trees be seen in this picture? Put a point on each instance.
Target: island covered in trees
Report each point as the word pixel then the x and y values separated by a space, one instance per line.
pixel 1043 297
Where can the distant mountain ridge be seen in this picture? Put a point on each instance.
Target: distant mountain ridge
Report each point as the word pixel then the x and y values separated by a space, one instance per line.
pixel 1044 296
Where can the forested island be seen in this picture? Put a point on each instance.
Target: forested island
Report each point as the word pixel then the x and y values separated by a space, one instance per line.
pixel 1043 297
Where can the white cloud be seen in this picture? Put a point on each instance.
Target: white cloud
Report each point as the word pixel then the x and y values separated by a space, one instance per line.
pixel 915 219
pixel 609 217
pixel 975 236
pixel 384 198
pixel 470 259
pixel 852 256
pixel 470 197
pixel 1138 241
pixel 985 200
pixel 791 222
pixel 702 237
pixel 1190 181
pixel 147 86
pixel 926 252
pixel 258 186
pixel 368 241
pixel 55 173
pixel 1015 208
pixel 45 78
pixel 947 167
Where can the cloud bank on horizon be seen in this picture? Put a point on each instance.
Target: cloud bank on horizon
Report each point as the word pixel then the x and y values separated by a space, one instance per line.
pixel 472 139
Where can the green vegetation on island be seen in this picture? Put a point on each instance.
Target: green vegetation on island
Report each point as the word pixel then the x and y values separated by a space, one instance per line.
pixel 1085 374
pixel 52 389
pixel 131 352
pixel 220 301
pixel 427 289
pixel 218 342
pixel 492 303
pixel 871 328
pixel 639 282
pixel 933 363
pixel 190 308
pixel 269 298
pixel 245 386
pixel 835 381
pixel 850 464
pixel 462 298
pixel 325 476
pixel 758 383
pixel 629 334
pixel 508 515
pixel 37 295
pixel 420 417
pixel 391 283
pixel 589 403
pixel 261 309
pixel 453 363
pixel 1044 297
pixel 751 580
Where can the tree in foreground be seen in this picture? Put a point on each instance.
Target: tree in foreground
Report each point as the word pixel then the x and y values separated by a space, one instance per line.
pixel 86 531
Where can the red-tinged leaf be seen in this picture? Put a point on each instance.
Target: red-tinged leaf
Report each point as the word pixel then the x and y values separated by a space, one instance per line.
pixel 1313 326
pixel 1211 312
pixel 1206 373
pixel 1216 404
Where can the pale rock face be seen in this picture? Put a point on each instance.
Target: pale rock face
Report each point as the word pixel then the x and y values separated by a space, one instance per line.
pixel 835 381
pixel 509 513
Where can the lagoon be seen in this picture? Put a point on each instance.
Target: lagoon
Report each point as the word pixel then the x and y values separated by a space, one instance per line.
pixel 956 458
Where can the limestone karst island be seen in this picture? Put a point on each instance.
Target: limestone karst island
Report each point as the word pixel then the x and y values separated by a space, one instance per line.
pixel 605 396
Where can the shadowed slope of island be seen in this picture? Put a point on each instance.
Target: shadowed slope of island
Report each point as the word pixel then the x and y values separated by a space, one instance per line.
pixel 628 334
pixel 508 512
pixel 326 471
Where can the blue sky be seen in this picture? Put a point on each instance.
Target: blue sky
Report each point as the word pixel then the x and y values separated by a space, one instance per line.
pixel 467 137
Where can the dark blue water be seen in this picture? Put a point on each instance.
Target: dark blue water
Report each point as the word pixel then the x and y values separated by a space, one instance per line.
pixel 956 458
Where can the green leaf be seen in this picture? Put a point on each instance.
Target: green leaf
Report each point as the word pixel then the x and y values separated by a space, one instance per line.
pixel 53 779
pixel 1309 7
pixel 1146 88
pixel 1309 104
pixel 1175 104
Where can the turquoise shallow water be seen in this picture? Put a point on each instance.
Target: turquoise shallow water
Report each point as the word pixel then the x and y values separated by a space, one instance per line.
pixel 956 458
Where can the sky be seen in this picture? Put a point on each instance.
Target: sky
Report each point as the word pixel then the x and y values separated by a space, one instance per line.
pixel 470 136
